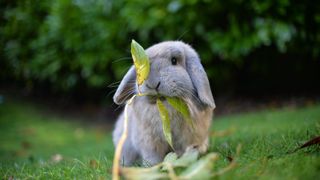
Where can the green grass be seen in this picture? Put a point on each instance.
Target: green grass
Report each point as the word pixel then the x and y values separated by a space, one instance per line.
pixel 267 138
pixel 30 138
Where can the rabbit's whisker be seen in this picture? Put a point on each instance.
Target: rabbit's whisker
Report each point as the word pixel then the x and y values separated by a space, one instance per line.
pixel 121 59
pixel 186 93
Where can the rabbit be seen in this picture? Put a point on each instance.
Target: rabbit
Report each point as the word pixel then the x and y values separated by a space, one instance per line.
pixel 175 71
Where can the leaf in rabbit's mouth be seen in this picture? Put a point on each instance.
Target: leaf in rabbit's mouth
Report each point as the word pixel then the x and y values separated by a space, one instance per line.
pixel 152 99
pixel 166 125
pixel 180 106
pixel 141 62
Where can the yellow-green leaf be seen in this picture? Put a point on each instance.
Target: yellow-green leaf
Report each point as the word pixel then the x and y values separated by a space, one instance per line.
pixel 137 173
pixel 164 114
pixel 201 169
pixel 141 62
pixel 170 157
pixel 188 157
pixel 180 106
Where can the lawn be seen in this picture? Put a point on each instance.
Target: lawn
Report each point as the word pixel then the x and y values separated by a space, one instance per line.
pixel 35 144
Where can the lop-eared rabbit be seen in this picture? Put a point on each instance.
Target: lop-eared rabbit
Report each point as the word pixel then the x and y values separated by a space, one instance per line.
pixel 175 71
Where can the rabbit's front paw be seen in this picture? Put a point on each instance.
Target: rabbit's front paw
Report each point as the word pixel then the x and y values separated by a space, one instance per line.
pixel 150 158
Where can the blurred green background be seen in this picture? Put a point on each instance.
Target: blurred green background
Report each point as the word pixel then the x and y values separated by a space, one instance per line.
pixel 61 61
pixel 78 48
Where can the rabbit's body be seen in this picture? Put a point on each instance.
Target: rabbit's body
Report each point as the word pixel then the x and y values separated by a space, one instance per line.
pixel 145 134
pixel 146 140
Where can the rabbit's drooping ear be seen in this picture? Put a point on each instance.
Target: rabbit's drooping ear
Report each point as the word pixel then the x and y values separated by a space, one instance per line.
pixel 199 77
pixel 126 87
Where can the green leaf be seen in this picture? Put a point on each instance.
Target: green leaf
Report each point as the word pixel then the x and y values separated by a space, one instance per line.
pixel 136 173
pixel 141 62
pixel 180 106
pixel 190 156
pixel 201 169
pixel 170 157
pixel 164 114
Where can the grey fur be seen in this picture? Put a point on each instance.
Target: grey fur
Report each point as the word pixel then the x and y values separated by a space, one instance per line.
pixel 186 80
pixel 126 87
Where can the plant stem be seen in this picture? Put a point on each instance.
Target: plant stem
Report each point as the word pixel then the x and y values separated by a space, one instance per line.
pixel 116 160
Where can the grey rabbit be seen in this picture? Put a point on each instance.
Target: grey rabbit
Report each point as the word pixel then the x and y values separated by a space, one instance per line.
pixel 175 71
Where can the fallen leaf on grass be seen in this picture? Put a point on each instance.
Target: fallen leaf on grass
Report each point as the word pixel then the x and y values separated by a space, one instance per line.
pixel 232 164
pixel 189 157
pixel 28 131
pixel 20 153
pixel 25 144
pixel 189 166
pixel 223 132
pixel 170 157
pixel 93 164
pixel 311 142
pixel 230 158
pixel 135 173
pixel 56 158
pixel 201 169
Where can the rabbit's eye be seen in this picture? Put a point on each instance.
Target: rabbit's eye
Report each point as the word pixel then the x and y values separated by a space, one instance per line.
pixel 174 61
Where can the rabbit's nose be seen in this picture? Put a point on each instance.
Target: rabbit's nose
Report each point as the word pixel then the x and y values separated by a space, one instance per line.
pixel 155 88
pixel 158 85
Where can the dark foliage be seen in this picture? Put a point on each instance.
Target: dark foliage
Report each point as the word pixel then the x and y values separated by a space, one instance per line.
pixel 80 47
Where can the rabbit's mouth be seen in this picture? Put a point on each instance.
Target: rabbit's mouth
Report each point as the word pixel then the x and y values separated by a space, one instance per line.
pixel 152 99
